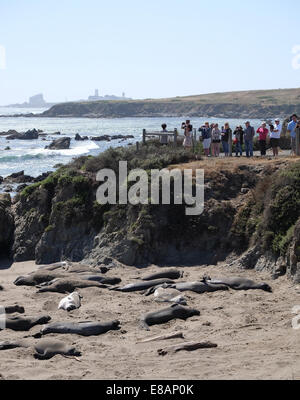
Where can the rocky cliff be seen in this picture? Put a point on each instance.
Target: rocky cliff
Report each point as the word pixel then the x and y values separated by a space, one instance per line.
pixel 251 216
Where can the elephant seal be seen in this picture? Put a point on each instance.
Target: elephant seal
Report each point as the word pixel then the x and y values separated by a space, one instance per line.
pixel 169 273
pixel 102 279
pixel 169 296
pixel 54 266
pixel 14 309
pixel 81 328
pixel 238 283
pixel 36 278
pixel 66 285
pixel 25 323
pixel 197 287
pixel 139 286
pixel 71 302
pixel 46 349
pixel 160 317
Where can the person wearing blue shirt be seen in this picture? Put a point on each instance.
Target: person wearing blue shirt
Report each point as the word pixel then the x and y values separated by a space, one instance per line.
pixel 292 131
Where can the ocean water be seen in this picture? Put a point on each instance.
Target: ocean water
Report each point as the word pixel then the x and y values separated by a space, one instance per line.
pixel 32 157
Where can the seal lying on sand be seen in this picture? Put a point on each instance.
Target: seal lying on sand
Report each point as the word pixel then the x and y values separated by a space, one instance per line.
pixel 14 309
pixel 169 296
pixel 81 328
pixel 38 277
pixel 25 323
pixel 138 286
pixel 197 287
pixel 72 267
pixel 238 283
pixel 169 273
pixel 46 349
pixel 71 302
pixel 160 317
pixel 102 279
pixel 66 285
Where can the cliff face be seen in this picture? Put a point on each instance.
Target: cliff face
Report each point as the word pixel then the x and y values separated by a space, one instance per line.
pixel 169 109
pixel 251 216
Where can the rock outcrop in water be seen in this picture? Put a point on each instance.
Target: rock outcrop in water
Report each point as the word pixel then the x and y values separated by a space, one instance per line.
pixel 59 144
pixel 29 135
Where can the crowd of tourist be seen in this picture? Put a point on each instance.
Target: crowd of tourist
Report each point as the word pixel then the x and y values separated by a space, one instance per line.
pixel 242 138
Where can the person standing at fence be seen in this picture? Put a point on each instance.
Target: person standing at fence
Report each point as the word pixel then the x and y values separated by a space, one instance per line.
pixel 275 133
pixel 163 139
pixel 263 134
pixel 188 132
pixel 292 131
pixel 226 138
pixel 238 134
pixel 249 133
pixel 206 138
pixel 216 140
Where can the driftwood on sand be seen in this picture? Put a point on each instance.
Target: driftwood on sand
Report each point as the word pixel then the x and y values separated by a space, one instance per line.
pixel 178 335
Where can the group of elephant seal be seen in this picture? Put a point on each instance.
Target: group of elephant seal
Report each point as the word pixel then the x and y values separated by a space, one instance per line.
pixel 238 283
pixel 167 314
pixel 81 328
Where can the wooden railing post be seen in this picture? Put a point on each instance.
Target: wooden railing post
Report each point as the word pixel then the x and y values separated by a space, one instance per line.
pixel 144 136
pixel 175 137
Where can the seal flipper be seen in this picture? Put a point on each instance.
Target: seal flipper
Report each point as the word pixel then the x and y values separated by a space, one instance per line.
pixel 144 325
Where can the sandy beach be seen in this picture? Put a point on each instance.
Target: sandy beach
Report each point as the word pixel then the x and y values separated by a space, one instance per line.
pixel 253 331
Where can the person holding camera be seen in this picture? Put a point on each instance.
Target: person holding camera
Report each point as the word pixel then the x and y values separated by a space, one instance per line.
pixel 263 134
pixel 188 131
pixel 275 132
pixel 206 138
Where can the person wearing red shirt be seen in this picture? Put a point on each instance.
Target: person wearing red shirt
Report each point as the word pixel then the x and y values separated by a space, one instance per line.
pixel 263 134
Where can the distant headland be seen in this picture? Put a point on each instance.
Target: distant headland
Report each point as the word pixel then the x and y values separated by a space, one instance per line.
pixel 244 104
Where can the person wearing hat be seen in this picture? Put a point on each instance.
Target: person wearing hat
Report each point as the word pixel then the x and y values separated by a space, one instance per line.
pixel 275 136
pixel 263 134
pixel 249 133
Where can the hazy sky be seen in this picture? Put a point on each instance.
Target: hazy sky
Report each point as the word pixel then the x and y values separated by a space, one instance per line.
pixel 147 48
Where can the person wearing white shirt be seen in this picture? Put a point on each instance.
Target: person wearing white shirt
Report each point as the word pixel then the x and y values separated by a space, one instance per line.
pixel 275 136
